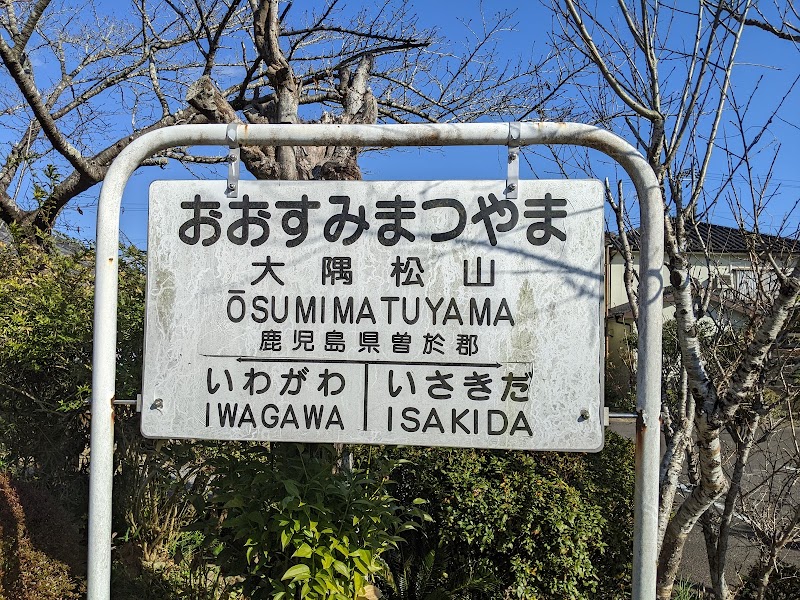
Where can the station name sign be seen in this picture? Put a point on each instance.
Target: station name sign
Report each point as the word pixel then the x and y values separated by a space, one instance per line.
pixel 434 313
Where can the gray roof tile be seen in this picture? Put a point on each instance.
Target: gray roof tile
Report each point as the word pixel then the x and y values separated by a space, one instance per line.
pixel 719 239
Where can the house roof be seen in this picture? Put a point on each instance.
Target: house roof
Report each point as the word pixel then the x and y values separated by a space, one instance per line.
pixel 719 239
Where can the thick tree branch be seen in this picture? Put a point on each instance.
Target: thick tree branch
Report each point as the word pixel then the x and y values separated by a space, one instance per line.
pixel 29 90
pixel 746 374
pixel 204 97
pixel 151 64
pixel 77 182
pixel 266 28
pixel 21 39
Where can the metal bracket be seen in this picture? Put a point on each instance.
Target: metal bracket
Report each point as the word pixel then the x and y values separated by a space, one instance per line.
pixel 512 176
pixel 234 166
pixel 127 402
pixel 619 417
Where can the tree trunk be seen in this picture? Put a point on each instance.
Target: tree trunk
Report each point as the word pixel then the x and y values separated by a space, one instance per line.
pixel 712 485
pixel 720 558
pixel 673 460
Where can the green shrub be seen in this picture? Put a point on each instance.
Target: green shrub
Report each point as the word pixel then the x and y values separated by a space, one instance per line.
pixel 292 525
pixel 509 516
pixel 46 313
pixel 606 479
pixel 45 360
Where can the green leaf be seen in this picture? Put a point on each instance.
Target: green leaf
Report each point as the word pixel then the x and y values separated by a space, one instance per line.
pixel 364 555
pixel 291 488
pixel 297 573
pixel 235 502
pixel 256 517
pixel 303 551
pixel 341 568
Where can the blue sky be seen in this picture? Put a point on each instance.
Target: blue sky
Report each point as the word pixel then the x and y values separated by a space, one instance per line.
pixel 534 22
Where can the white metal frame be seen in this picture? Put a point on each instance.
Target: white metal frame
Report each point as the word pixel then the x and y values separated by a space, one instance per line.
pixel 648 401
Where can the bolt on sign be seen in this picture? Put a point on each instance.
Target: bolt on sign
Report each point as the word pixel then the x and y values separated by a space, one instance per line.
pixel 435 313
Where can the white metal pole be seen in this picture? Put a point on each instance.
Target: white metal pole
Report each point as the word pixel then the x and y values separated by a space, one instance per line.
pixel 101 466
pixel 650 290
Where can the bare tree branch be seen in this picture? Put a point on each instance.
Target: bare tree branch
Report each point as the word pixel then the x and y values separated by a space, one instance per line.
pixel 598 59
pixel 230 61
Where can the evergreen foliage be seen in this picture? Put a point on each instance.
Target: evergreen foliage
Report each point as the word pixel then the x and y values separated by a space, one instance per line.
pixel 291 525
pixel 534 524
pixel 216 520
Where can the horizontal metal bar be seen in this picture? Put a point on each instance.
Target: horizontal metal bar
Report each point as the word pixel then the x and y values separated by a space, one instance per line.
pixel 459 134
pixel 620 416
pixel 128 402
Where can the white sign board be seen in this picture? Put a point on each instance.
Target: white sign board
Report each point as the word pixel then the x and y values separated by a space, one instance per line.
pixel 432 313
